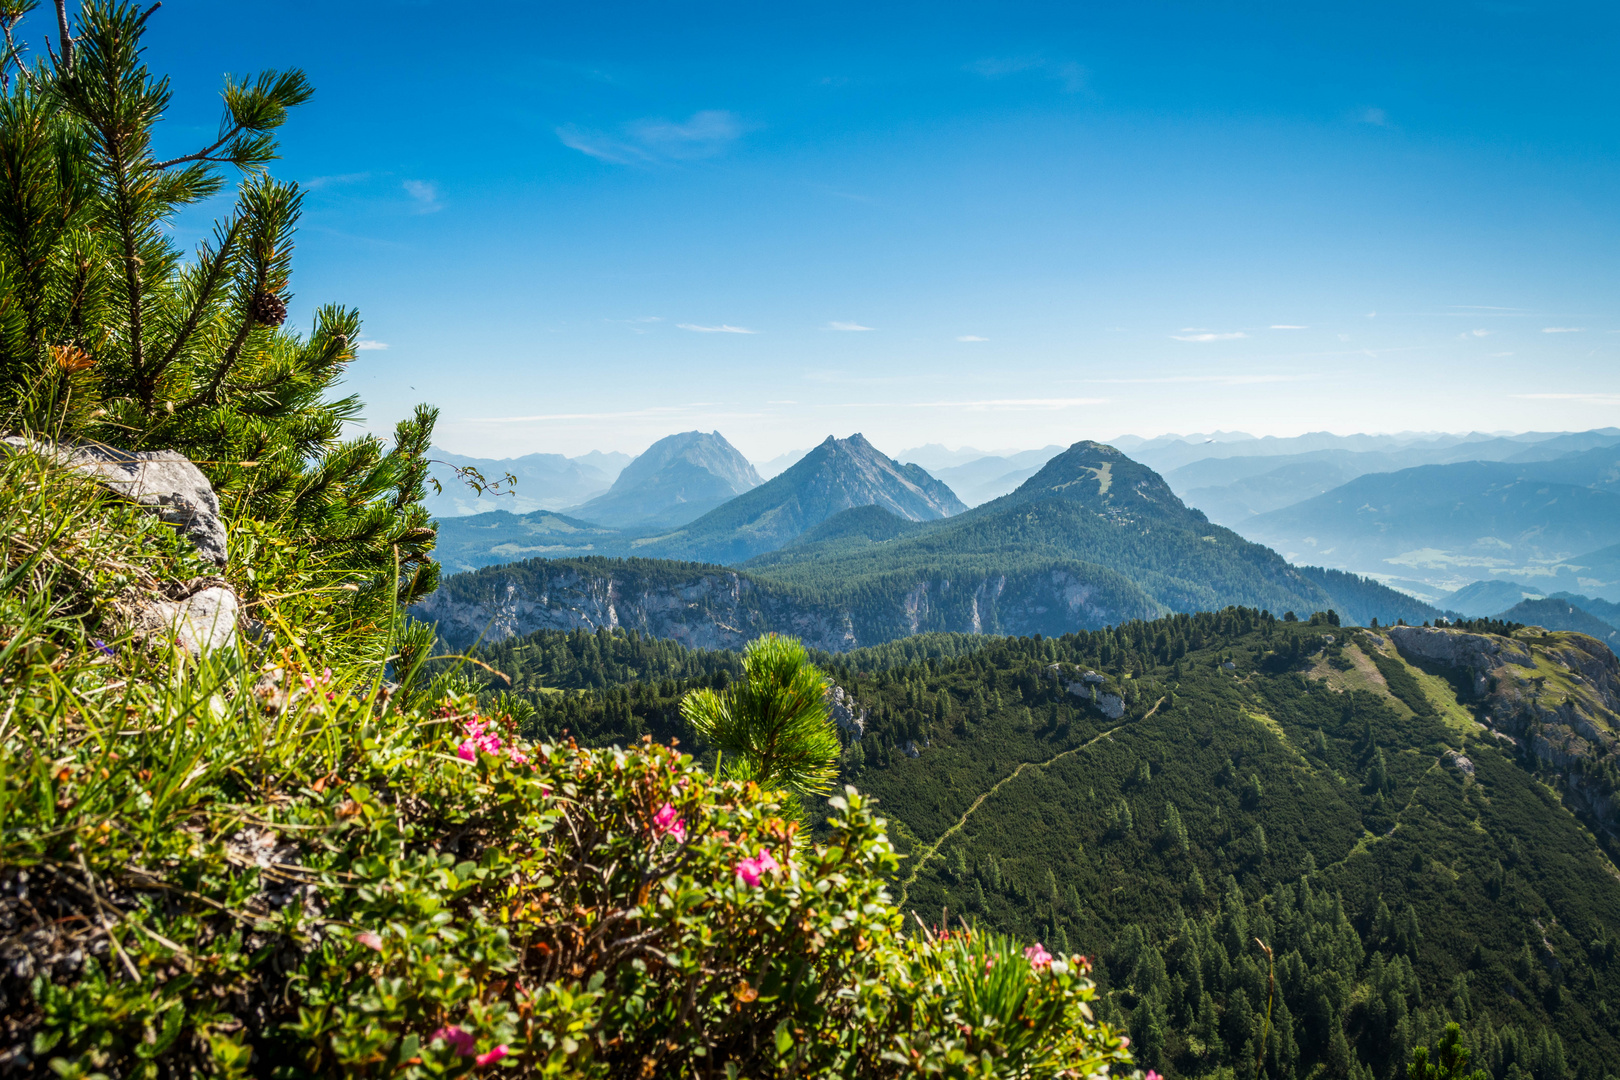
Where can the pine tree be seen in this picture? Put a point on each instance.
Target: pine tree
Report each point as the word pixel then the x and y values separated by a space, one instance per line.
pixel 1174 828
pixel 771 726
pixel 109 333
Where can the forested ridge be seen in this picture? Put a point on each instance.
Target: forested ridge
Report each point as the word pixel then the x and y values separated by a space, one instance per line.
pixel 1309 795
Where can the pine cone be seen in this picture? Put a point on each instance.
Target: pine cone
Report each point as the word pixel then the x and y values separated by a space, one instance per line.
pixel 268 308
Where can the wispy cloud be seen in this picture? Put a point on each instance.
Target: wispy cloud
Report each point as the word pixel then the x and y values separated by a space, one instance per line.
pixel 991 405
pixel 1288 326
pixel 1604 399
pixel 1465 335
pixel 1209 336
pixel 1066 73
pixel 425 194
pixel 652 141
pixel 723 328
pixel 1222 380
pixel 367 345
pixel 320 182
pixel 852 326
pixel 972 337
pixel 1562 329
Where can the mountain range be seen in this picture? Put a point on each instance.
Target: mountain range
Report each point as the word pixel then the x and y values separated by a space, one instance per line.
pixel 835 476
pixel 1548 519
pixel 848 549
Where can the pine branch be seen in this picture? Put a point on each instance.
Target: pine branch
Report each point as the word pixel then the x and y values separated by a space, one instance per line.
pixel 14 55
pixel 204 296
pixel 67 35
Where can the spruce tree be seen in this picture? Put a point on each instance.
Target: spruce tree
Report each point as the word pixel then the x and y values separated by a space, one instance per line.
pixel 110 333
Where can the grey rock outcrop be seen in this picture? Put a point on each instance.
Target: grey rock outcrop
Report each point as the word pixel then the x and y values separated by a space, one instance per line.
pixel 160 480
pixel 201 622
pixel 1111 705
pixel 1482 654
pixel 846 712
pixel 1558 699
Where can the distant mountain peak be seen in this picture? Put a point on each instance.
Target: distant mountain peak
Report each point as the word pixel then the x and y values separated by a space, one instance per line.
pixel 1104 478
pixel 676 479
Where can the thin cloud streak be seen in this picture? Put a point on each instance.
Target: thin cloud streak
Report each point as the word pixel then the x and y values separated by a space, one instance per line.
pixel 1220 380
pixel 723 328
pixel 1008 404
pixel 1210 337
pixel 850 326
pixel 1562 329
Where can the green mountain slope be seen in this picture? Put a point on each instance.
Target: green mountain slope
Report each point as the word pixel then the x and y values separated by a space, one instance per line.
pixel 1411 850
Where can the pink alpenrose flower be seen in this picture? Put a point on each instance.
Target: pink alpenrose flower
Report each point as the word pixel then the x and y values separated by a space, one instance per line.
pixel 1038 957
pixel 667 823
pixel 751 870
pixel 493 1056
pixel 1151 1075
pixel 457 1039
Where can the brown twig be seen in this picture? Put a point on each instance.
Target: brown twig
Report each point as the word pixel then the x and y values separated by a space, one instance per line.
pixel 1271 993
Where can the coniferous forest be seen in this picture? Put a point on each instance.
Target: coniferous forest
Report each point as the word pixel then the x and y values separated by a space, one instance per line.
pixel 1278 818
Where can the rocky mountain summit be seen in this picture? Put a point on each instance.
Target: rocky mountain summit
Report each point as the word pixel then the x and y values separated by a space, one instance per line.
pixel 837 475
pixel 677 479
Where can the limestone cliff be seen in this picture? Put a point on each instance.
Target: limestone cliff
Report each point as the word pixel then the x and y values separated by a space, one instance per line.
pixel 1556 695
pixel 712 607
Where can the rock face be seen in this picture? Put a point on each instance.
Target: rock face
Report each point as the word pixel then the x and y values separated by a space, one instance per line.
pixel 1555 696
pixel 846 712
pixel 714 607
pixel 699 606
pixel 163 481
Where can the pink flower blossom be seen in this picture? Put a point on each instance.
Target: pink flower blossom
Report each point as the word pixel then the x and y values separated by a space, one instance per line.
pixel 484 736
pixel 751 870
pixel 462 1042
pixel 369 940
pixel 667 823
pixel 493 1056
pixel 1038 957
pixel 1151 1075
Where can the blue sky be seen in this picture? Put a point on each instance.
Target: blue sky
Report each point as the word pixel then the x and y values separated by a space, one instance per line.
pixel 586 226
